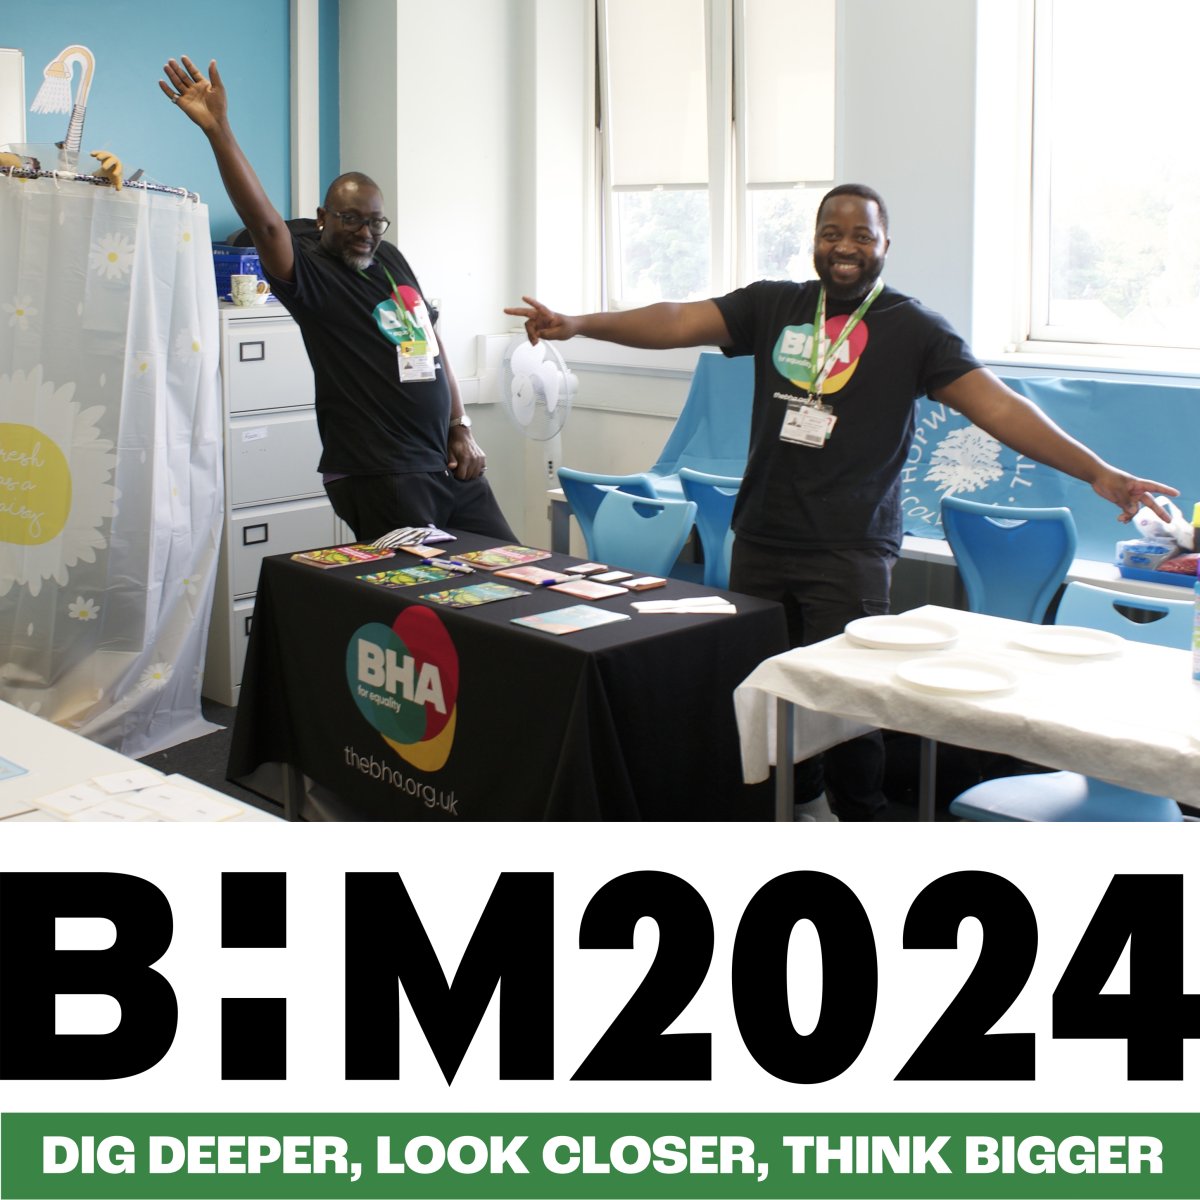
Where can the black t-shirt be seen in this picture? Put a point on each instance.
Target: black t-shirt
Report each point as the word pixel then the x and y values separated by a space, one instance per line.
pixel 845 494
pixel 352 323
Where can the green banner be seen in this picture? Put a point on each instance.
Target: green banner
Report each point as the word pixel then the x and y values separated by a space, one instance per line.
pixel 631 1155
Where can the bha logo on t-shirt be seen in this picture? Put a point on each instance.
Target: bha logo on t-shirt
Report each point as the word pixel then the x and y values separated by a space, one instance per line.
pixel 793 353
pixel 404 679
pixel 404 319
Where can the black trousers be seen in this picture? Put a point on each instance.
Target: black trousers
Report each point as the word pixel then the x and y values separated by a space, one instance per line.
pixel 373 505
pixel 821 591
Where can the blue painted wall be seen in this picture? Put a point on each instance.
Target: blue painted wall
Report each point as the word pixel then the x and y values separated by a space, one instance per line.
pixel 126 112
pixel 331 153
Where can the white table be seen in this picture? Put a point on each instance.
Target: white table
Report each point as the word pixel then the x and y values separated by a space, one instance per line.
pixel 1133 719
pixel 55 759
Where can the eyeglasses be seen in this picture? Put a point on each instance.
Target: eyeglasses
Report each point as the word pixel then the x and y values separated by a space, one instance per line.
pixel 352 221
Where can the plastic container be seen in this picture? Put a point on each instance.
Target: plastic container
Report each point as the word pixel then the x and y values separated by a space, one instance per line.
pixel 1196 637
pixel 1176 578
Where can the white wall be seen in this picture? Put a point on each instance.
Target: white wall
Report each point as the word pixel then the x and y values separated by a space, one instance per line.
pixel 906 83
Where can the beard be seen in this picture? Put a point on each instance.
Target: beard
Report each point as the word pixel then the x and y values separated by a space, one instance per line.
pixel 854 290
pixel 358 261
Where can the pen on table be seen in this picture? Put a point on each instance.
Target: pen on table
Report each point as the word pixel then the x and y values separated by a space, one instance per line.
pixel 452 564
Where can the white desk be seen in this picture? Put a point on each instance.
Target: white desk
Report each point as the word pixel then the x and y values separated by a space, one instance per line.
pixel 1133 719
pixel 54 759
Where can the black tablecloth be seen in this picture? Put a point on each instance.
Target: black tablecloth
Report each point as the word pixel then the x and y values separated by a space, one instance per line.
pixel 632 720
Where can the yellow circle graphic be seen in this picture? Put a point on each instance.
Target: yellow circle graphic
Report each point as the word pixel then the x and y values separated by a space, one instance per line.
pixel 35 486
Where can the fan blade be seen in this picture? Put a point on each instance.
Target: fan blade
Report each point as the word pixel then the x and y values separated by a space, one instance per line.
pixel 526 358
pixel 524 400
pixel 548 374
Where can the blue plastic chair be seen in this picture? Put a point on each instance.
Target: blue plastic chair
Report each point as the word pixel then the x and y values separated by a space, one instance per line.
pixel 585 490
pixel 714 497
pixel 641 535
pixel 1011 560
pixel 1065 795
pixel 712 433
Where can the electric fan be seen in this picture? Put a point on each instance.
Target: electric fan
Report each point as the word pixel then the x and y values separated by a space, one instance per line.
pixel 538 389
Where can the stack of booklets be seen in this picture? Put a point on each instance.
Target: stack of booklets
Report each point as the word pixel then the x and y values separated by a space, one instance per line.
pixel 473 594
pixel 503 556
pixel 398 577
pixel 570 620
pixel 342 556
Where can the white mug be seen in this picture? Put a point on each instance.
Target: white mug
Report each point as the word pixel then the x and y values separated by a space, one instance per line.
pixel 248 289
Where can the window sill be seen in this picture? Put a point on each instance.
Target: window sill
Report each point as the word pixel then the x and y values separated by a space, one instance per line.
pixel 1164 363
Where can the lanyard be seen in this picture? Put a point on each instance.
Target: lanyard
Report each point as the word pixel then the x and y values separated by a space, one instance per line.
pixel 820 364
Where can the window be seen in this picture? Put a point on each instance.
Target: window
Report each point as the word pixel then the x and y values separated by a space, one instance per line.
pixel 717 137
pixel 1116 181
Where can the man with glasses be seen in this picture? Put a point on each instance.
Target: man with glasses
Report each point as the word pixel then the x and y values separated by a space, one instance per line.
pixel 397 447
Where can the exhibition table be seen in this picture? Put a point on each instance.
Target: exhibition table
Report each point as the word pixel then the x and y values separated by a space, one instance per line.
pixel 365 702
pixel 1131 716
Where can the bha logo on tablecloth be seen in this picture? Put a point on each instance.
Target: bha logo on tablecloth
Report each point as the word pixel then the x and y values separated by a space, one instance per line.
pixel 404 679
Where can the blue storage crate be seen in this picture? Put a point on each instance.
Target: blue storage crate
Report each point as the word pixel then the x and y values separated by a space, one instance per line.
pixel 233 260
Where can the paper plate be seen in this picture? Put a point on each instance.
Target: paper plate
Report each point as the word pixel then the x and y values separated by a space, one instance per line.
pixel 1075 641
pixel 957 675
pixel 902 631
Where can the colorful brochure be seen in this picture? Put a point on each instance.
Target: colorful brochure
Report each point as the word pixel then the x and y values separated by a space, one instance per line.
pixel 341 556
pixel 502 556
pixel 585 589
pixel 570 620
pixel 474 594
pixel 538 576
pixel 398 577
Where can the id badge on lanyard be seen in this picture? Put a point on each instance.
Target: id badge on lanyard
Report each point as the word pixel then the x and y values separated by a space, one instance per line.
pixel 415 364
pixel 808 424
pixel 812 424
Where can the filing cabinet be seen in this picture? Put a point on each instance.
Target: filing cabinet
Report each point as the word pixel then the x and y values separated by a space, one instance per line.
pixel 274 501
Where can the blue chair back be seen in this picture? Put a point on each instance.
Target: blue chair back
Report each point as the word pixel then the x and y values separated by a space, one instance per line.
pixel 712 433
pixel 714 497
pixel 641 535
pixel 1169 624
pixel 585 490
pixel 1011 560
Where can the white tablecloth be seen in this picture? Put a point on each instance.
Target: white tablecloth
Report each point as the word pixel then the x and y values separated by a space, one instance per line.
pixel 1133 719
pixel 49 759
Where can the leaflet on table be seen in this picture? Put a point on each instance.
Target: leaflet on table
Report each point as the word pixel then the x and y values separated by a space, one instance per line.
pixel 644 583
pixel 503 556
pixel 10 770
pixel 398 577
pixel 473 594
pixel 613 576
pixel 538 576
pixel 585 589
pixel 587 568
pixel 570 620
pixel 342 556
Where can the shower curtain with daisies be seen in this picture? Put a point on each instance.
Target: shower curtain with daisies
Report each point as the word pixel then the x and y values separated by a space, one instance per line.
pixel 111 491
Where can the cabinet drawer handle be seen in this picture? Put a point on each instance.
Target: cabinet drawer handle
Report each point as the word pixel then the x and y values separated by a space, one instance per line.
pixel 249 619
pixel 252 351
pixel 260 534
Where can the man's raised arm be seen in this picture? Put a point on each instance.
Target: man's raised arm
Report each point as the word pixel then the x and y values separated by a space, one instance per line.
pixel 205 103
